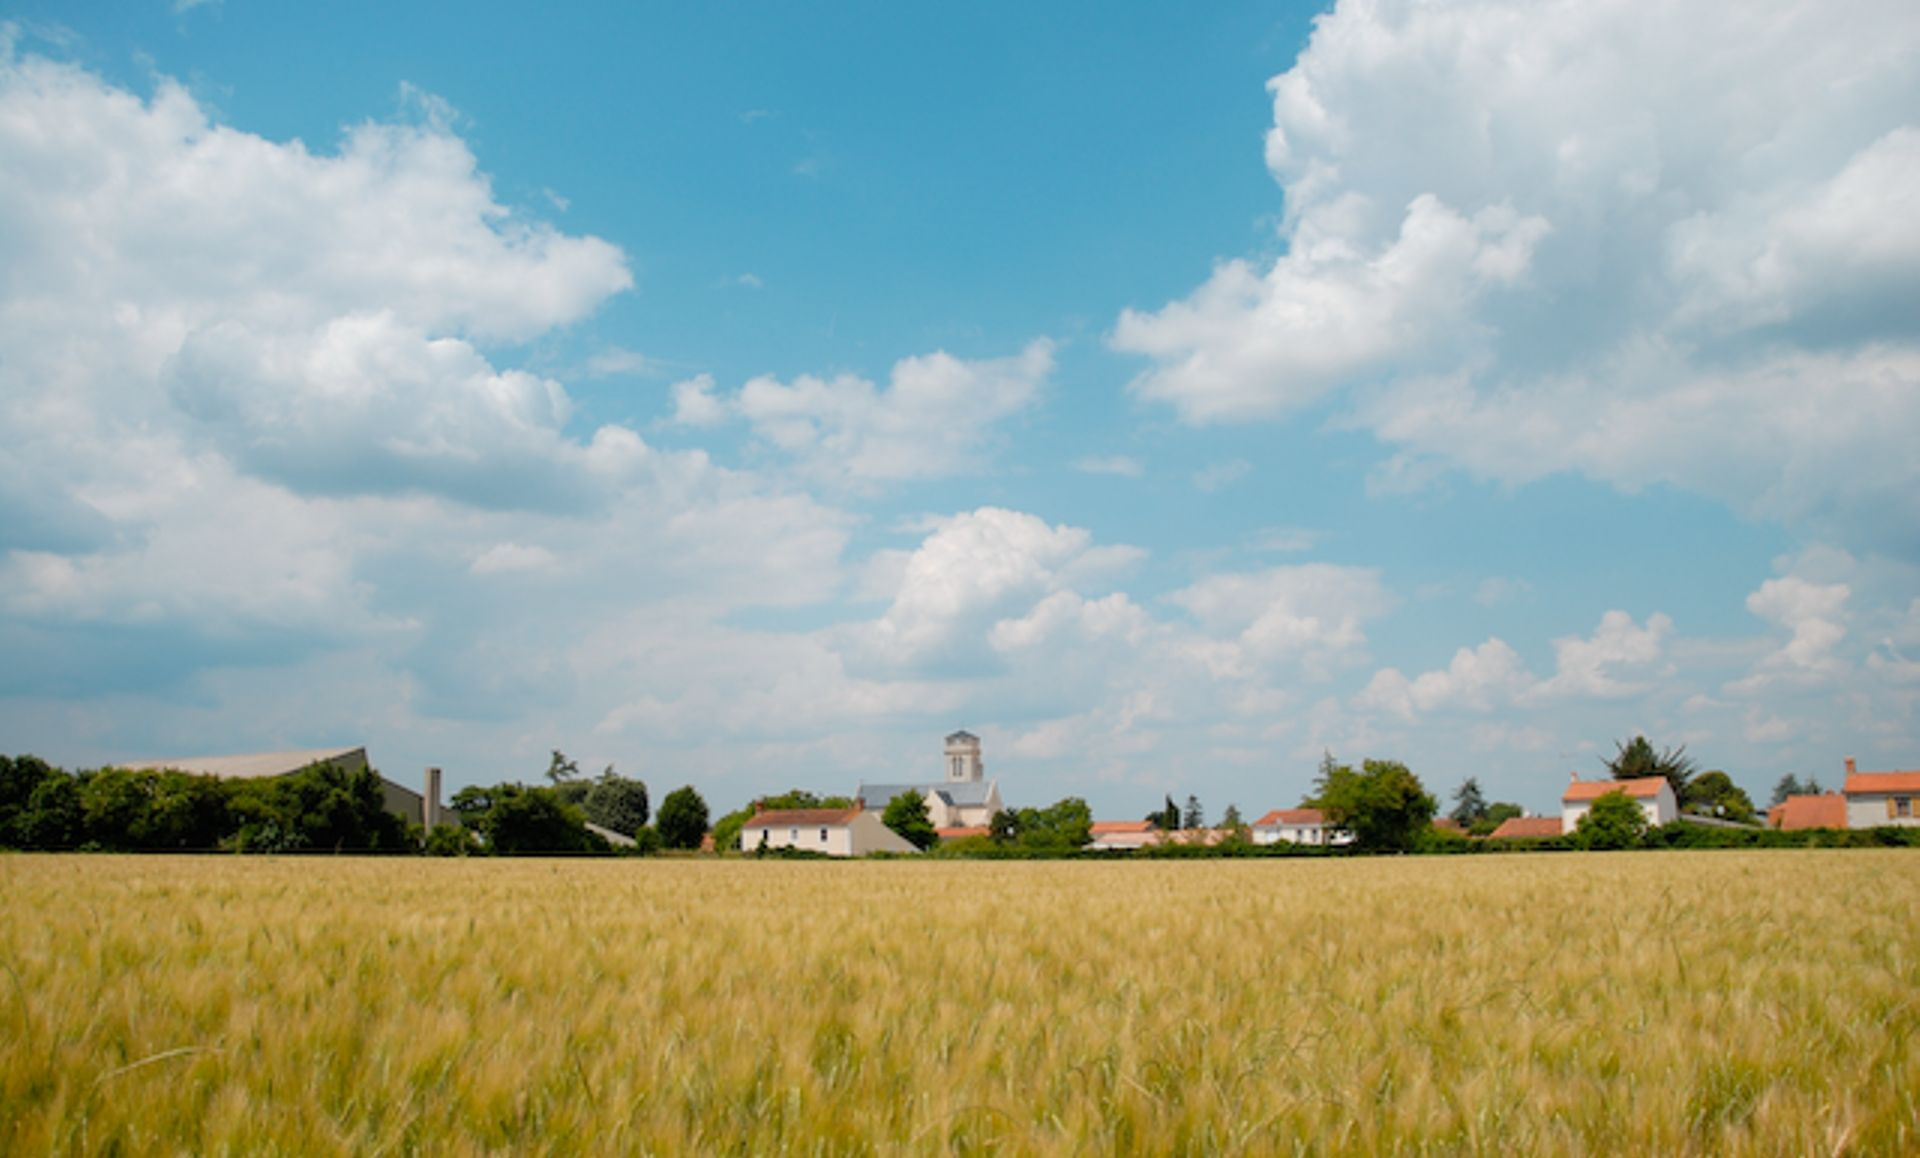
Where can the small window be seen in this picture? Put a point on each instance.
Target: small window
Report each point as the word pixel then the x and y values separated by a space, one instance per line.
pixel 1903 806
pixel 793 834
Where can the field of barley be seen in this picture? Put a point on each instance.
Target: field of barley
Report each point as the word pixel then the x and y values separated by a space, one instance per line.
pixel 1672 1003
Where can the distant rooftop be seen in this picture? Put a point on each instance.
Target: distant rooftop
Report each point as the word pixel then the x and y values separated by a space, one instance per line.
pixel 255 765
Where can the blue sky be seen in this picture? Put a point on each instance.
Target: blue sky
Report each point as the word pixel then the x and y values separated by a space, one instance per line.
pixel 747 395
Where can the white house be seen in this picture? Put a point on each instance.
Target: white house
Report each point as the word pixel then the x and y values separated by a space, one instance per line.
pixel 1298 825
pixel 1877 798
pixel 833 831
pixel 1652 793
pixel 964 799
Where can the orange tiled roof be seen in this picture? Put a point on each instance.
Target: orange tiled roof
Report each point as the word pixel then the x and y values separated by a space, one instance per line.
pixel 1296 816
pixel 1448 824
pixel 1883 782
pixel 1827 810
pixel 802 818
pixel 1526 828
pixel 1104 827
pixel 1644 786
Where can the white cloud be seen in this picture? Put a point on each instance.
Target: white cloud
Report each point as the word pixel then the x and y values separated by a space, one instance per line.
pixel 1478 679
pixel 976 569
pixel 1221 475
pixel 1815 615
pixel 1492 676
pixel 1116 464
pixel 614 362
pixel 255 417
pixel 1248 345
pixel 505 558
pixel 1529 238
pixel 1313 614
pixel 1593 666
pixel 695 404
pixel 935 417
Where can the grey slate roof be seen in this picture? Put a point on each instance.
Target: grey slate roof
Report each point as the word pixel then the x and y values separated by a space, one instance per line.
pixel 964 792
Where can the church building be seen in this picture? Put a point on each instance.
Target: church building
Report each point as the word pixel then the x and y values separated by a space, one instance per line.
pixel 964 798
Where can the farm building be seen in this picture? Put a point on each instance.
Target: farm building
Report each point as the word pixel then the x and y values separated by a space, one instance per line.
pixel 1117 835
pixel 1299 825
pixel 1877 798
pixel 965 799
pixel 833 831
pixel 1526 828
pixel 414 807
pixel 1652 793
pixel 1822 810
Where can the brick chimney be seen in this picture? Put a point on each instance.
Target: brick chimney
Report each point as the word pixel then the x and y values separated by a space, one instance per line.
pixel 1851 770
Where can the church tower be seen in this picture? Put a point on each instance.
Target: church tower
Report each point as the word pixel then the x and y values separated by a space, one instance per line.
pixel 963 759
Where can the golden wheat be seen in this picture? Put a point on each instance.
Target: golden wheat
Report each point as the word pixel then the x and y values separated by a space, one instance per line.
pixel 1722 1003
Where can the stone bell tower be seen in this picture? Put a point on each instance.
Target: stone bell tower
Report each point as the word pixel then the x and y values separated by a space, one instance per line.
pixel 963 759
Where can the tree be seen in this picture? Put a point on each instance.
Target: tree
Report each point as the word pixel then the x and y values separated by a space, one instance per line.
pixel 1383 804
pixel 1496 814
pixel 51 818
pixel 1004 827
pixel 1790 785
pixel 906 814
pixel 526 820
pixel 1469 806
pixel 322 807
pixel 1636 759
pixel 682 820
pixel 1195 816
pixel 560 768
pixel 19 776
pixel 1165 819
pixel 1715 794
pixel 1613 821
pixel 618 803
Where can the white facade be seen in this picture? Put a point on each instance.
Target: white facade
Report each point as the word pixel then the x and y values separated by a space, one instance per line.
pixel 1298 826
pixel 833 832
pixel 1652 793
pixel 1875 799
pixel 1874 809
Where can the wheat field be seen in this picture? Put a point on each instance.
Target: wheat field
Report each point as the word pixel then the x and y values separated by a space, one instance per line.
pixel 1671 1003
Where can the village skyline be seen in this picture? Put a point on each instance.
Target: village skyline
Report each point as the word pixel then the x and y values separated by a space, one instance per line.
pixel 748 398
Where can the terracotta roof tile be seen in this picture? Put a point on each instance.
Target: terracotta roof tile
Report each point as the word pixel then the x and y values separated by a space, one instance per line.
pixel 1883 782
pixel 1526 828
pixel 1643 787
pixel 1291 816
pixel 1827 810
pixel 1104 827
pixel 802 818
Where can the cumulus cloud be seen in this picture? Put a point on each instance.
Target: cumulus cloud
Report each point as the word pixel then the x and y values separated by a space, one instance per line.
pixel 255 415
pixel 1527 238
pixel 1313 614
pixel 1814 615
pixel 976 569
pixel 1493 676
pixel 1478 678
pixel 934 417
pixel 1597 666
